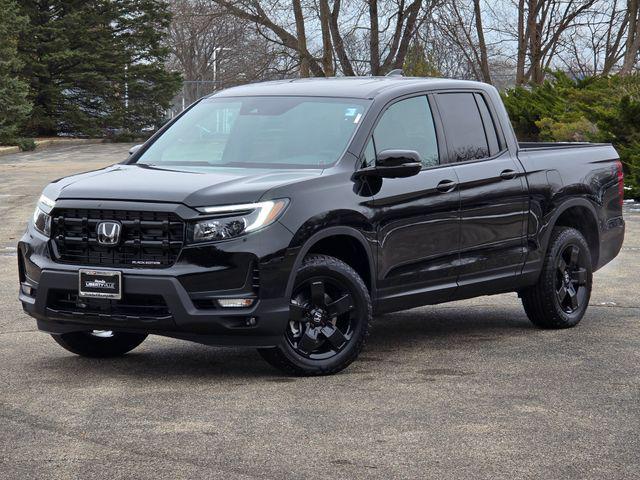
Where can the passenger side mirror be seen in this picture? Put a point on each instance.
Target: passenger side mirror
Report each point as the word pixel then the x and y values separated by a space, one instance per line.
pixel 134 149
pixel 394 164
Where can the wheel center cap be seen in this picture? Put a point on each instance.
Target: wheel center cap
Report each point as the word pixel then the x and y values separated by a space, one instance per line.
pixel 566 277
pixel 316 316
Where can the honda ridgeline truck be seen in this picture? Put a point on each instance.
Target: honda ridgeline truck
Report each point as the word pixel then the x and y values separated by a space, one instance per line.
pixel 285 215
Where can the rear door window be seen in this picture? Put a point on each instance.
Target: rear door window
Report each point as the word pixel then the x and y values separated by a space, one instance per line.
pixel 464 130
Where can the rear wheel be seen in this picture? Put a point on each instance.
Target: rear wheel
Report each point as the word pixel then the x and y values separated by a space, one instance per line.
pixel 330 315
pixel 561 296
pixel 99 343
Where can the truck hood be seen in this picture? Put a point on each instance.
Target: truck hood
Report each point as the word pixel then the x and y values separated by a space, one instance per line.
pixel 192 186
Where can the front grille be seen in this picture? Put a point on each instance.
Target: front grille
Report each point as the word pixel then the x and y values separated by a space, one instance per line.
pixel 148 239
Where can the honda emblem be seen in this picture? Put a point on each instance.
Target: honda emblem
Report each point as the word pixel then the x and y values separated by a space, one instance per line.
pixel 109 233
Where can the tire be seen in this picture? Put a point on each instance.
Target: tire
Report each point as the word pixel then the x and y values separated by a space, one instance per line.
pixel 330 318
pixel 561 296
pixel 99 344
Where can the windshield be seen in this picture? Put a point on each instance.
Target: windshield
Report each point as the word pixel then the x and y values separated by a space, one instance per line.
pixel 259 132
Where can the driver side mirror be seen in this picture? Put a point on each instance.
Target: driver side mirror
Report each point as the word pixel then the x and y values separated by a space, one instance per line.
pixel 134 149
pixel 394 164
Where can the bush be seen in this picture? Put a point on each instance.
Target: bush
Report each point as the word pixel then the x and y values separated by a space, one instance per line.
pixel 122 137
pixel 126 136
pixel 581 130
pixel 26 144
pixel 598 109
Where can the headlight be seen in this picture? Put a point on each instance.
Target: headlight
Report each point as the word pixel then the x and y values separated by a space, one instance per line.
pixel 231 221
pixel 46 203
pixel 41 217
pixel 42 221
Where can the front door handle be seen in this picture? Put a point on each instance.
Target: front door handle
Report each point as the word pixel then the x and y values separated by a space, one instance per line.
pixel 446 186
pixel 508 174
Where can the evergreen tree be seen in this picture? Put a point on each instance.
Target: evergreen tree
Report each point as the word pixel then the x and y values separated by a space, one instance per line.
pixel 418 64
pixel 96 65
pixel 600 109
pixel 14 106
pixel 149 86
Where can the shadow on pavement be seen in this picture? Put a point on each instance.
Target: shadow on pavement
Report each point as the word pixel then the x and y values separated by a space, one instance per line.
pixel 451 328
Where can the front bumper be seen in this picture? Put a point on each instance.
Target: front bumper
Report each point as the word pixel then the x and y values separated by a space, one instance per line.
pixel 182 297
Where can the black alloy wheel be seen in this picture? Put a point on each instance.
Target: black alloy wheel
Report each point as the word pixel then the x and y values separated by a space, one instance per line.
pixel 330 313
pixel 571 279
pixel 561 295
pixel 321 320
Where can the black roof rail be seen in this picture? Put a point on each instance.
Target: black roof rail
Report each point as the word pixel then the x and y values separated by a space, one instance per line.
pixel 395 73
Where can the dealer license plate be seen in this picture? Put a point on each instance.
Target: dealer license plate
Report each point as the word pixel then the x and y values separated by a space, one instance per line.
pixel 100 284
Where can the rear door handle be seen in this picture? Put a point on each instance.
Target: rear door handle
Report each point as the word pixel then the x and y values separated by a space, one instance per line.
pixel 508 174
pixel 446 186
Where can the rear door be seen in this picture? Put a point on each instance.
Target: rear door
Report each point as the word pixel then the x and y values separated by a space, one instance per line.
pixel 417 218
pixel 493 195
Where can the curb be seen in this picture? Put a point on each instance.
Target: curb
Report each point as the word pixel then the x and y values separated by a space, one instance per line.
pixel 50 142
pixel 8 150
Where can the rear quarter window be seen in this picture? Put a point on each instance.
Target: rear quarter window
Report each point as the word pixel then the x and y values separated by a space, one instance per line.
pixel 489 125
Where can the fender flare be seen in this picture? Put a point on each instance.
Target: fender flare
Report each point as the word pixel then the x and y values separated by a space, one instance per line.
pixel 566 205
pixel 332 232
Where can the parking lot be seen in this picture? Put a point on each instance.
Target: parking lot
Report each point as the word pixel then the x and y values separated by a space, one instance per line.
pixel 463 390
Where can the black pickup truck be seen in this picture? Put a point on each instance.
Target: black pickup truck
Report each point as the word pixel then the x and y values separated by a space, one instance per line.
pixel 284 215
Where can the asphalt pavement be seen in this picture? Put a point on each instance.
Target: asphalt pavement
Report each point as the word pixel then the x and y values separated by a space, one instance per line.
pixel 462 390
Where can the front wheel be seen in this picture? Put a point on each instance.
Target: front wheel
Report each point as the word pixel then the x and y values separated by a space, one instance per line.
pixel 561 296
pixel 329 317
pixel 99 343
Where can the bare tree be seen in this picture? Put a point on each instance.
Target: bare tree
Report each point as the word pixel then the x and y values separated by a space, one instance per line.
pixel 391 27
pixel 482 46
pixel 604 41
pixel 596 46
pixel 461 22
pixel 203 38
pixel 545 23
pixel 632 44
pixel 613 37
pixel 496 41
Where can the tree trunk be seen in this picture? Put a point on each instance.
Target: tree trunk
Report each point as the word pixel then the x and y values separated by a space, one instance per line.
pixel 534 28
pixel 522 44
pixel 327 47
pixel 338 42
pixel 612 48
pixel 484 59
pixel 409 31
pixel 374 38
pixel 633 38
pixel 302 39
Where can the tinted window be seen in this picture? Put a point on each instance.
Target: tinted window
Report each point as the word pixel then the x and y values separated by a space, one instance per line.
pixel 408 125
pixel 489 125
pixel 369 154
pixel 463 126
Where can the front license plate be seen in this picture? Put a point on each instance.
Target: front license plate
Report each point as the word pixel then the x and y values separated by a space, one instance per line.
pixel 97 284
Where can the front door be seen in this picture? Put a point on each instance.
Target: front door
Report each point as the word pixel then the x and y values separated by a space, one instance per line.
pixel 417 218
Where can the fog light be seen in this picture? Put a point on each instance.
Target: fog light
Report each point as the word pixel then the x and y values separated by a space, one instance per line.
pixel 27 289
pixel 235 302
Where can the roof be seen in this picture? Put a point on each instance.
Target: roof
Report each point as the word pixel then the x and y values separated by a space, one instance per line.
pixel 348 87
